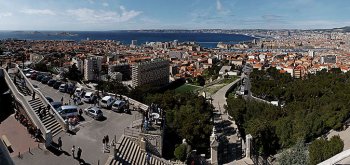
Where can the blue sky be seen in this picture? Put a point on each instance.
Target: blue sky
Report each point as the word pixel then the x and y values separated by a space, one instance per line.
pixel 172 14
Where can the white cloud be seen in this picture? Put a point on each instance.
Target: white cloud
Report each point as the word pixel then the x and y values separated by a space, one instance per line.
pixel 7 14
pixel 218 5
pixel 38 12
pixel 105 4
pixel 86 15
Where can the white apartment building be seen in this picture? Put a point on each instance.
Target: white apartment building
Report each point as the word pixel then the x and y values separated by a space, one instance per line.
pixel 155 72
pixel 92 68
pixel 79 63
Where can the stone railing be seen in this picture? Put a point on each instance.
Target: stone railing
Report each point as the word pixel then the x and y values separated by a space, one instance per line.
pixel 23 101
pixel 57 116
pixel 336 158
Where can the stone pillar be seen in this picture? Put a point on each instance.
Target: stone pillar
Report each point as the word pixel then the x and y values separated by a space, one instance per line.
pixel 214 145
pixel 143 144
pixel 48 138
pixel 249 139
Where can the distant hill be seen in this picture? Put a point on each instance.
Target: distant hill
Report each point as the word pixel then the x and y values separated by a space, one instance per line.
pixel 341 29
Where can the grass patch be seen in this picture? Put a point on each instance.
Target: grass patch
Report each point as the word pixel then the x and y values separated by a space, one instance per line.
pixel 186 88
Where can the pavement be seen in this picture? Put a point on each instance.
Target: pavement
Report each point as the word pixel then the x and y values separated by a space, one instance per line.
pixel 88 137
pixel 18 136
pixel 233 149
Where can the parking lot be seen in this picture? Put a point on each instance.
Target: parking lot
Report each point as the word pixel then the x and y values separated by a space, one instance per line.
pixel 89 134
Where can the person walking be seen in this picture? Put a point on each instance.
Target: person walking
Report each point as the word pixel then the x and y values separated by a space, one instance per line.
pixel 62 100
pixel 80 112
pixel 33 96
pixel 107 140
pixel 79 153
pixel 148 158
pixel 73 150
pixel 59 143
pixel 104 143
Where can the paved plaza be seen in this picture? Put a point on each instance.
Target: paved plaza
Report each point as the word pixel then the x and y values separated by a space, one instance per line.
pixel 89 135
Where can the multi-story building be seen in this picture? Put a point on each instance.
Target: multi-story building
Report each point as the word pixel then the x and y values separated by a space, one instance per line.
pixel 154 72
pixel 79 63
pixel 92 68
pixel 123 68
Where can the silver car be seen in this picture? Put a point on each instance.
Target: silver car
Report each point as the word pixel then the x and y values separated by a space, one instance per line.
pixel 94 112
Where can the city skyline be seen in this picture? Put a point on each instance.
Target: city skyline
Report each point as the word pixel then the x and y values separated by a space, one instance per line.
pixel 94 15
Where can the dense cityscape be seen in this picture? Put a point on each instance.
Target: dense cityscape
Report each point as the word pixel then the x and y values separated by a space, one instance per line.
pixel 173 83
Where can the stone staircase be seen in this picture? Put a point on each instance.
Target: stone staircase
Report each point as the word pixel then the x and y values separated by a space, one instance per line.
pixel 49 121
pixel 129 153
pixel 23 89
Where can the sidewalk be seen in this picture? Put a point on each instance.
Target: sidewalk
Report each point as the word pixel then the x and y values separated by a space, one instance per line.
pixel 18 136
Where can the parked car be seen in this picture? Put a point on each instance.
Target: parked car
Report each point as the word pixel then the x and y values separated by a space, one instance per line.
pixel 28 75
pixel 51 82
pixel 57 84
pixel 45 79
pixel 56 105
pixel 118 106
pixel 107 102
pixel 40 77
pixel 94 112
pixel 63 88
pixel 49 99
pixel 33 76
pixel 70 88
pixel 78 92
pixel 68 111
pixel 89 97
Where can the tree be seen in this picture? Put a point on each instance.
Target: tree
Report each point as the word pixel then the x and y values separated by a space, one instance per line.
pixel 41 67
pixel 73 73
pixel 180 152
pixel 296 155
pixel 321 149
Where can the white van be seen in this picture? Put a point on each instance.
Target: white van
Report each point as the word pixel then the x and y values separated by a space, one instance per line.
pixel 107 102
pixel 68 111
pixel 88 98
pixel 78 91
pixel 118 106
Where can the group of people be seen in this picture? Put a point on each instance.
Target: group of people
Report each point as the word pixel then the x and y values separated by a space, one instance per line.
pixel 32 130
pixel 79 150
pixel 44 111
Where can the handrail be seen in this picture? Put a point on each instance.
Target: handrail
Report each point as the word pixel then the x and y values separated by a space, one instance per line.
pixel 57 116
pixel 22 100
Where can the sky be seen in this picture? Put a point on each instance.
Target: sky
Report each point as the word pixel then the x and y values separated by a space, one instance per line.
pixel 96 15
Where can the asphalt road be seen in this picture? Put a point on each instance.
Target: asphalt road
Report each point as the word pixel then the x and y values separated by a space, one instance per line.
pixel 88 137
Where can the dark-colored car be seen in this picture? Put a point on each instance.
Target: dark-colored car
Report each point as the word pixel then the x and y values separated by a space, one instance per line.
pixel 71 88
pixel 51 82
pixel 33 76
pixel 40 77
pixel 49 99
pixel 56 105
pixel 45 79
pixel 57 84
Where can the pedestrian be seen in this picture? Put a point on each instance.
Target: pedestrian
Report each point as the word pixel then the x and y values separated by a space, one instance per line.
pixel 33 96
pixel 59 143
pixel 14 79
pixel 79 153
pixel 104 143
pixel 148 157
pixel 73 150
pixel 80 112
pixel 62 99
pixel 41 113
pixel 107 140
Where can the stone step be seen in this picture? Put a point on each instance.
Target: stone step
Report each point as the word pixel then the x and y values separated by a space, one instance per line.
pixel 131 151
pixel 124 149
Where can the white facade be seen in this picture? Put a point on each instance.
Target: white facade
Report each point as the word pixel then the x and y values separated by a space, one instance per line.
pixel 79 63
pixel 92 68
pixel 154 72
